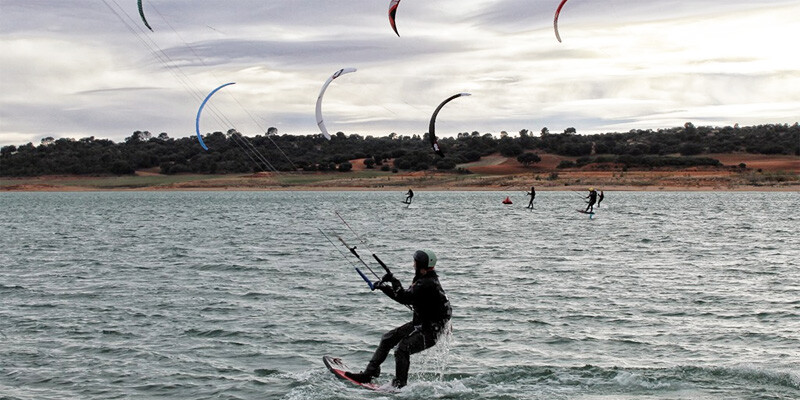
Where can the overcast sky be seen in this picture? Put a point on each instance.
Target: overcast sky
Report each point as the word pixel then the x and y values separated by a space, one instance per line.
pixel 79 68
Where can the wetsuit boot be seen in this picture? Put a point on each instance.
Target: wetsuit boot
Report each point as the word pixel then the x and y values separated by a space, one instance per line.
pixel 363 376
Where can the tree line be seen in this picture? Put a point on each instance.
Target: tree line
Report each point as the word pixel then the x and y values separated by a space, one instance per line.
pixel 230 152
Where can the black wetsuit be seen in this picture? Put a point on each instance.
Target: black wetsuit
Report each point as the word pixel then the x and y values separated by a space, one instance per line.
pixel 600 198
pixel 409 196
pixel 592 199
pixel 431 313
pixel 533 196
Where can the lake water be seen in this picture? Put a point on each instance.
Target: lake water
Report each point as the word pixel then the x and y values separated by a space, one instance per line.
pixel 237 295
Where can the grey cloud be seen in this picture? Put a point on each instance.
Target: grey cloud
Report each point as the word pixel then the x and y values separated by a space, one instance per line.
pixel 206 36
pixel 305 53
pixel 515 15
pixel 118 89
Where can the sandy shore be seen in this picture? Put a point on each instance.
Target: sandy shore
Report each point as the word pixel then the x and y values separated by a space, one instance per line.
pixel 397 183
pixel 491 173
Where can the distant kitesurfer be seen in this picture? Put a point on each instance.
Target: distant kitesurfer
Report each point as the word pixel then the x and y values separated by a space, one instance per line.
pixel 431 313
pixel 600 198
pixel 533 196
pixel 592 199
pixel 409 196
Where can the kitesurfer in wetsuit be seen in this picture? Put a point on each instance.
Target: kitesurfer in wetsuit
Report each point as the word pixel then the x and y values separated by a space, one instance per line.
pixel 592 199
pixel 409 196
pixel 533 196
pixel 600 198
pixel 431 313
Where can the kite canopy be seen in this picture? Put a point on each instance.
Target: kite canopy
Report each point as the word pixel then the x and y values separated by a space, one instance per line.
pixel 200 111
pixel 392 12
pixel 141 13
pixel 432 125
pixel 555 20
pixel 320 121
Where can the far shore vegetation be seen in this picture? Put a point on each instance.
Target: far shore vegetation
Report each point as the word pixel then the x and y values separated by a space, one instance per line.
pixel 233 153
pixel 234 160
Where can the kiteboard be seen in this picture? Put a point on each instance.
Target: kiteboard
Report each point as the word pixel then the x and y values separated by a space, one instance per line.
pixel 338 367
pixel 585 212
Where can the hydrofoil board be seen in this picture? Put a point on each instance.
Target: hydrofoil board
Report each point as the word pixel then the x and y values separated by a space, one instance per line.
pixel 338 367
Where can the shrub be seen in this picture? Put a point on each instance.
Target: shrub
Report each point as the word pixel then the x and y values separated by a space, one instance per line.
pixel 445 164
pixel 400 163
pixel 528 158
pixel 566 164
pixel 339 158
pixel 345 167
pixel 472 156
pixel 510 149
pixel 690 149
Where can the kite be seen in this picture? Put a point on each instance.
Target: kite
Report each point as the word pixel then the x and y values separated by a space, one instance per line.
pixel 555 20
pixel 141 13
pixel 432 126
pixel 320 122
pixel 392 11
pixel 200 110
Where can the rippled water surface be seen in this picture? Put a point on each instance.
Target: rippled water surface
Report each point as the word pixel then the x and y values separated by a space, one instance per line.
pixel 237 295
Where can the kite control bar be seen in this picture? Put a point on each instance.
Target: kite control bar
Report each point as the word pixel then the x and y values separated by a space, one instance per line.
pixel 364 277
pixel 352 250
pixel 375 256
pixel 372 285
pixel 355 253
pixel 385 268
pixel 388 272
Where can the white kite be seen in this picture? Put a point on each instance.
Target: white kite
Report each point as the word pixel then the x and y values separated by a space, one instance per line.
pixel 320 122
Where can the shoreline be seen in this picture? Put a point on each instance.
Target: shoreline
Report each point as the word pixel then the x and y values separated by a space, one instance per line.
pixel 433 188
pixel 495 173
